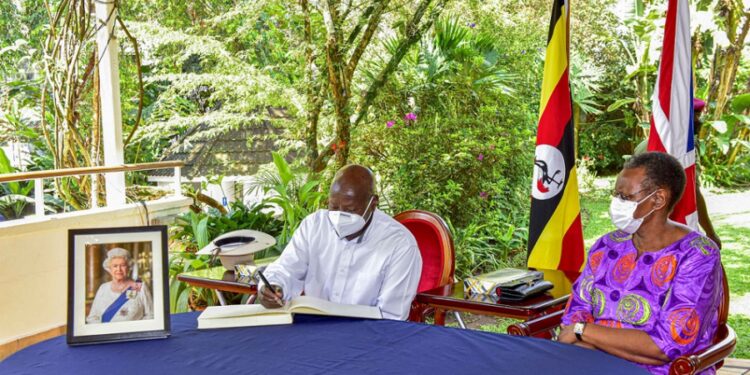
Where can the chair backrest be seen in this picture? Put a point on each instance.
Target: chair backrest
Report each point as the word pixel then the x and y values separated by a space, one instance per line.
pixel 435 244
pixel 722 331
pixel 724 303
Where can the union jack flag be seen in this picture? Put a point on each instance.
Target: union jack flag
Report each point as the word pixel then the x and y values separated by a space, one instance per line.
pixel 672 109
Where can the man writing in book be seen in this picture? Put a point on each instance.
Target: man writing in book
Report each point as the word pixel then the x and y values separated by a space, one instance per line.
pixel 351 253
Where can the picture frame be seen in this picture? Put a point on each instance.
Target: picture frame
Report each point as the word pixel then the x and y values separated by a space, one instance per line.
pixel 118 288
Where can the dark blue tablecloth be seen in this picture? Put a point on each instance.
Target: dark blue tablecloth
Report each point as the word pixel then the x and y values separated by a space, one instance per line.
pixel 317 345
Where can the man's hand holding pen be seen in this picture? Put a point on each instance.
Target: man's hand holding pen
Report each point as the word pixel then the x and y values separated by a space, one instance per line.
pixel 270 299
pixel 271 296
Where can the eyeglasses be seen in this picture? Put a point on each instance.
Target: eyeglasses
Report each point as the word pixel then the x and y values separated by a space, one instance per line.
pixel 627 197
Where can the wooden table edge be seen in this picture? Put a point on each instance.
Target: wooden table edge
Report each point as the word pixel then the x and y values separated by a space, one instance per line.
pixel 493 309
pixel 223 286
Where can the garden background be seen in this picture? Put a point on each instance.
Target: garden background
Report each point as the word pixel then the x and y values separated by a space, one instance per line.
pixel 439 97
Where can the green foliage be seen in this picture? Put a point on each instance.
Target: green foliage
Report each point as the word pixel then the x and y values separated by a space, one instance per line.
pixel 292 194
pixel 735 176
pixel 604 144
pixel 465 157
pixel 482 248
pixel 192 231
pixel 616 43
pixel 725 152
pixel 196 89
pixel 195 230
pixel 13 195
pixel 435 165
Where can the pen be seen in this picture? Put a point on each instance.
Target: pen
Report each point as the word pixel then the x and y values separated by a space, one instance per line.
pixel 268 285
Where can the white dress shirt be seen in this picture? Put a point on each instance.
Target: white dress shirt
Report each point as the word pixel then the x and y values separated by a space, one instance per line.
pixel 380 268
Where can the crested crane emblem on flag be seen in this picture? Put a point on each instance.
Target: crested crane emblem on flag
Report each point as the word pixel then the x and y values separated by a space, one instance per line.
pixel 549 172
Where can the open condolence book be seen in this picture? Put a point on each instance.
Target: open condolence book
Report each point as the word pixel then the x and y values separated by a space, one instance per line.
pixel 257 315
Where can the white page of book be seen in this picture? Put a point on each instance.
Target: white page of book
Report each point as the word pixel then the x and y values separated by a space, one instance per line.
pixel 317 306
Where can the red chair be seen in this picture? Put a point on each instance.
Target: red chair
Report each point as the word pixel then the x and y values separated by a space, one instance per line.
pixel 723 345
pixel 438 256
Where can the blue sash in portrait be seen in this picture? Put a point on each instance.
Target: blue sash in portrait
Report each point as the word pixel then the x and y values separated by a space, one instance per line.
pixel 109 313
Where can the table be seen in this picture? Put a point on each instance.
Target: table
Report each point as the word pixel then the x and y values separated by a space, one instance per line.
pixel 452 297
pixel 220 280
pixel 317 345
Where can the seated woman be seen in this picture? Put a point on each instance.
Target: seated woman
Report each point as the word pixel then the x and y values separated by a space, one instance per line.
pixel 650 291
pixel 123 298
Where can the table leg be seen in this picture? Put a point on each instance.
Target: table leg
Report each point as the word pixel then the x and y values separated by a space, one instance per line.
pixel 439 317
pixel 417 313
pixel 220 296
pixel 460 320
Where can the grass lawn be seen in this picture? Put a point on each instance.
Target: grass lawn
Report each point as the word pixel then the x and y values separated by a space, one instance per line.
pixel 735 257
pixel 741 325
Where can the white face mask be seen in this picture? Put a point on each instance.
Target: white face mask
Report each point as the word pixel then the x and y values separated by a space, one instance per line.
pixel 347 223
pixel 621 212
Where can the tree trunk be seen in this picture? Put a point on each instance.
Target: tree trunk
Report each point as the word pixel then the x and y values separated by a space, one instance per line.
pixel 313 110
pixel 341 69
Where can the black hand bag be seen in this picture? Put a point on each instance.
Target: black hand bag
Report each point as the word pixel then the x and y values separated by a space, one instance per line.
pixel 523 290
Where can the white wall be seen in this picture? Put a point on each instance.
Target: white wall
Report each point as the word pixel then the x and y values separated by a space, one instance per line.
pixel 34 260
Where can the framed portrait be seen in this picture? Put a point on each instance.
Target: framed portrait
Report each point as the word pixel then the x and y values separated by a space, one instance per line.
pixel 118 286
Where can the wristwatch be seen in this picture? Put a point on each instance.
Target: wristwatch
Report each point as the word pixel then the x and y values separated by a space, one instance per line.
pixel 578 330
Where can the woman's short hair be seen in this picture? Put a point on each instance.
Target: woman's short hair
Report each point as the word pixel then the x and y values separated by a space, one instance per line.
pixel 662 171
pixel 117 252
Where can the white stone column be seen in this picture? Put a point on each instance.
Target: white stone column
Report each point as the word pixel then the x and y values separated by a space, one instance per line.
pixel 109 81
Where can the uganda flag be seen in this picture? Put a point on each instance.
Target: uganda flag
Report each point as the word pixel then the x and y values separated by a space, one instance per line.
pixel 555 236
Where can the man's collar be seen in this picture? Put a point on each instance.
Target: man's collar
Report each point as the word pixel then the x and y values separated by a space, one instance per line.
pixel 361 238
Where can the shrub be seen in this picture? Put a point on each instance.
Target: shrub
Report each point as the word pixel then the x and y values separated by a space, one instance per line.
pixel 192 231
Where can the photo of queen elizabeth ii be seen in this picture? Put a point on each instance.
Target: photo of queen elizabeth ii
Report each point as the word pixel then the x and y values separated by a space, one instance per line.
pixel 122 292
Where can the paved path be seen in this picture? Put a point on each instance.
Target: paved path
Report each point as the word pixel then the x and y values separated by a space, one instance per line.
pixel 732 209
pixel 734 366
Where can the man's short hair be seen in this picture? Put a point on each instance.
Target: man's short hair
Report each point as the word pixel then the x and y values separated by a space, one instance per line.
pixel 662 171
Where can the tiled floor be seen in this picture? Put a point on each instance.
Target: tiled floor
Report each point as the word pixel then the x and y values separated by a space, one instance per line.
pixel 735 367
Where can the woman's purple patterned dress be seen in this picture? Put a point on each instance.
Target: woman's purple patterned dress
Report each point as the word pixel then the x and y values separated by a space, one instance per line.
pixel 672 294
